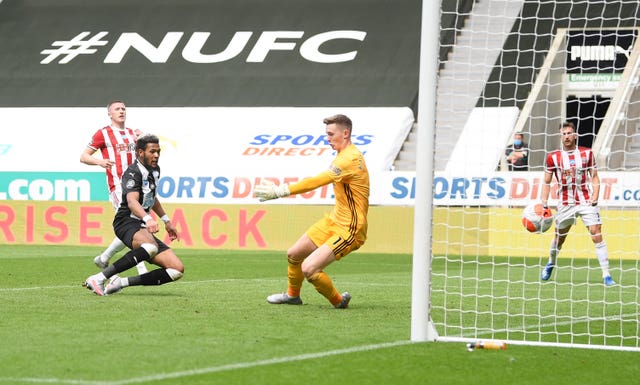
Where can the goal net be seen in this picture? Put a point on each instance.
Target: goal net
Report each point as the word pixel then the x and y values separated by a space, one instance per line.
pixel 525 67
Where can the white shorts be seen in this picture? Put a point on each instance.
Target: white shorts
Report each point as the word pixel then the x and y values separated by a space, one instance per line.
pixel 115 197
pixel 567 215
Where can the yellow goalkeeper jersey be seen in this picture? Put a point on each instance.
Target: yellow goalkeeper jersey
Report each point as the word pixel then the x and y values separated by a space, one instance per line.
pixel 350 177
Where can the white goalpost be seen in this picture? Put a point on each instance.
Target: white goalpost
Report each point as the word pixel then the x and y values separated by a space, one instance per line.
pixel 421 325
pixel 525 67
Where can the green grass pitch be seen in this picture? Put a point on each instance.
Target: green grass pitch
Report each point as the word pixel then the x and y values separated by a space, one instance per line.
pixel 215 327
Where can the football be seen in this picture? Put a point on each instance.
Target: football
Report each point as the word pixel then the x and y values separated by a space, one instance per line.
pixel 537 219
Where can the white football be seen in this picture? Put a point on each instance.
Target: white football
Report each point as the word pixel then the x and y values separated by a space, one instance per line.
pixel 537 219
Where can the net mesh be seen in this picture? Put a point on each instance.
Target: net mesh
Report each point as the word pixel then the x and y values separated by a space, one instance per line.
pixel 528 66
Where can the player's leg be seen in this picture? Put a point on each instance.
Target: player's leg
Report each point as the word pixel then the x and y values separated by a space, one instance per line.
pixel 143 253
pixel 304 246
pixel 295 255
pixel 591 219
pixel 554 250
pixel 565 218
pixel 142 268
pixel 313 269
pixel 601 252
pixel 557 242
pixel 116 245
pixel 102 260
pixel 171 269
pixel 339 244
pixel 143 247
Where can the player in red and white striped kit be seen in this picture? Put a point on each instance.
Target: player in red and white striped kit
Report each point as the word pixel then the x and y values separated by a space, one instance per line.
pixel 575 170
pixel 116 144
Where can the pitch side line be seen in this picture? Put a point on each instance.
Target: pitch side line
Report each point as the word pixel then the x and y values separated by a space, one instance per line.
pixel 211 369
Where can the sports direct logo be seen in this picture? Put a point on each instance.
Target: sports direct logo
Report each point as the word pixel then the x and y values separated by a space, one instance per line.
pixel 87 43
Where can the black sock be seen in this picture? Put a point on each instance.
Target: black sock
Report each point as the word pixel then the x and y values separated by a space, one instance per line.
pixel 152 278
pixel 129 260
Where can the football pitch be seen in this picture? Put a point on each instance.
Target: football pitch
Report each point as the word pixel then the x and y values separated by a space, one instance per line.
pixel 215 327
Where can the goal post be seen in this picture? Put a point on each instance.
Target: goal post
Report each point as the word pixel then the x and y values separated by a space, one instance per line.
pixel 477 271
pixel 421 325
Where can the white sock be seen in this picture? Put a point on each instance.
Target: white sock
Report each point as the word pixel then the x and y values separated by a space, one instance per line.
pixel 115 246
pixel 553 252
pixel 142 268
pixel 603 258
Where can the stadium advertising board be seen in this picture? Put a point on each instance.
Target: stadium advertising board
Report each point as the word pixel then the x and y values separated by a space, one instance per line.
pixel 202 142
pixel 239 227
pixel 599 51
pixel 618 189
pixel 270 227
pixel 218 155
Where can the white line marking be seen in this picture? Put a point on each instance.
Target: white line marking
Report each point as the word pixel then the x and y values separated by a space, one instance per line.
pixel 211 369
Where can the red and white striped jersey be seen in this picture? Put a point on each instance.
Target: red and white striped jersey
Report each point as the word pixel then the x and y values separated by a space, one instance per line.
pixel 572 171
pixel 119 146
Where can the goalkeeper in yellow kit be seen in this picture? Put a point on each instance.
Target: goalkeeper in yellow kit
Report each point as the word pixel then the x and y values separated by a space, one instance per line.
pixel 336 235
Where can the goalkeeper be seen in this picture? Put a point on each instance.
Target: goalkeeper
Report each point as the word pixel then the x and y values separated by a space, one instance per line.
pixel 336 235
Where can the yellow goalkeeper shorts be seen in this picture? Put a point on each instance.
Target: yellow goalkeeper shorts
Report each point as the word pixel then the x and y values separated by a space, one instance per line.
pixel 341 240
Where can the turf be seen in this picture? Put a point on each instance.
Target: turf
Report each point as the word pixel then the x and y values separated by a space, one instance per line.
pixel 215 327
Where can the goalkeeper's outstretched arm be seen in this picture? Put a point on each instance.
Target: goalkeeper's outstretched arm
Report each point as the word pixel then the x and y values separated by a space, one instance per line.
pixel 268 190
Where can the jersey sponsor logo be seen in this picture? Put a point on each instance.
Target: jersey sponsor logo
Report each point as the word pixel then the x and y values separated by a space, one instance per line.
pixel 309 48
pixel 148 200
pixel 124 147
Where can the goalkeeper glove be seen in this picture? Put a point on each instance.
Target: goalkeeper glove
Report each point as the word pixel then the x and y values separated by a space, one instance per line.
pixel 267 190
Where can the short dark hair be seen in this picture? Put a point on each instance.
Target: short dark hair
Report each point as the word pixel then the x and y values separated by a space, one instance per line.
pixel 568 124
pixel 141 143
pixel 339 119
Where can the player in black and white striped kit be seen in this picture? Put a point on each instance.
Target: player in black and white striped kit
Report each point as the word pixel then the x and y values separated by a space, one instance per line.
pixel 136 227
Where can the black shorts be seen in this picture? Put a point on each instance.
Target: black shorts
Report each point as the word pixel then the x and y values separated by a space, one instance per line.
pixel 126 227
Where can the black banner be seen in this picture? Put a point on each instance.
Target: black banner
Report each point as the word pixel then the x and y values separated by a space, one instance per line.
pixel 599 51
pixel 209 52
